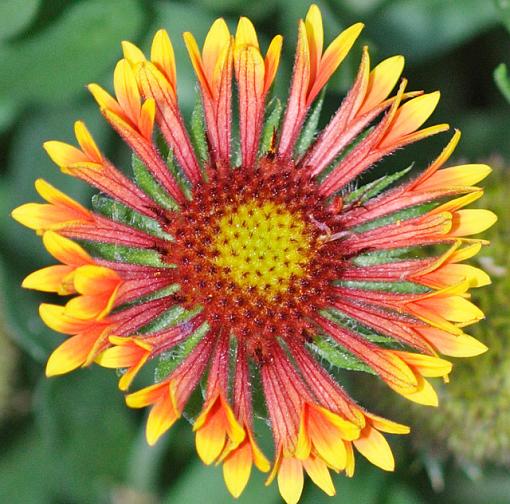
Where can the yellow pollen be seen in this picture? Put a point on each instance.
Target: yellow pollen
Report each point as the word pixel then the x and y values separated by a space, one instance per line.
pixel 262 245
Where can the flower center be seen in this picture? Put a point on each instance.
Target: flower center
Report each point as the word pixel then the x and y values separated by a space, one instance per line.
pixel 262 246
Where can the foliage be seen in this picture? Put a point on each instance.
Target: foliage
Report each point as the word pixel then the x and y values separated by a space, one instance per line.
pixel 72 439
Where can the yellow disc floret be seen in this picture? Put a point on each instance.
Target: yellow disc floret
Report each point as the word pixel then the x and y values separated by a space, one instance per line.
pixel 262 246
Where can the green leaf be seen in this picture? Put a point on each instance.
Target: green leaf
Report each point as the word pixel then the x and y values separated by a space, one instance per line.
pixel 125 215
pixel 120 253
pixel 149 185
pixel 337 356
pixel 309 129
pixel 402 215
pixel 271 125
pixel 178 174
pixel 54 64
pixel 170 360
pixel 198 136
pixel 372 189
pixel 16 16
pixel 502 80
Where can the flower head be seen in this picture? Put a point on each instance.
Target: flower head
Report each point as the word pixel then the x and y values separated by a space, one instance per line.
pixel 260 265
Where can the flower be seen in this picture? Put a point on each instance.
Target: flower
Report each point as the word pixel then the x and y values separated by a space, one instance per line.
pixel 231 268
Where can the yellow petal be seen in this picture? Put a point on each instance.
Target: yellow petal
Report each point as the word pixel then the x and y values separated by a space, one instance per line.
pixel 161 417
pixel 48 279
pixel 290 480
pixel 410 116
pixel 315 36
pixel 374 447
pixel 425 394
pixel 217 39
pixel 71 354
pixel 332 57
pixel 104 99
pixel 237 470
pixel 427 365
pixel 63 154
pixel 457 176
pixel 147 114
pixel 382 80
pixel 472 221
pixel 385 425
pixel 246 34
pixel 272 60
pixel 132 53
pixel 126 90
pixel 162 55
pixel 319 474
pixel 87 143
pixel 65 250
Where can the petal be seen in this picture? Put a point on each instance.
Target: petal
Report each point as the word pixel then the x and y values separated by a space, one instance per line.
pixel 63 154
pixel 217 39
pixel 55 318
pixel 95 280
pixel 410 116
pixel 290 480
pixel 245 34
pixel 147 114
pixel 385 425
pixel 427 365
pixel 457 176
pixel 132 53
pixel 319 474
pixel 59 199
pixel 315 35
pixel 126 90
pixel 162 55
pixel 237 469
pixel 49 279
pixel 148 395
pixel 161 417
pixel 104 99
pixel 374 447
pixel 461 345
pixel 425 393
pixel 472 221
pixel 87 143
pixel 333 56
pixel 72 353
pixel 65 250
pixel 382 80
pixel 272 60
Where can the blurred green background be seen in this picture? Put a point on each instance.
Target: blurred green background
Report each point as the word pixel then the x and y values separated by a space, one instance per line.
pixel 71 440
